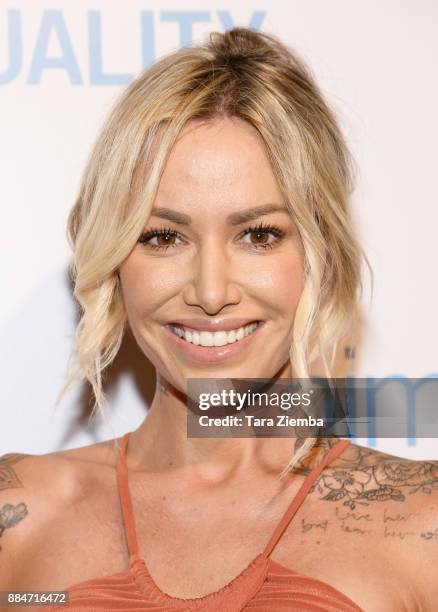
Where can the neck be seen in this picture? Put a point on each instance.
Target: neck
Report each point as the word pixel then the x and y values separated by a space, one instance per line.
pixel 161 444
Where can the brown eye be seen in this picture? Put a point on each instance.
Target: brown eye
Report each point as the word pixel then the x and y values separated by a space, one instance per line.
pixel 165 239
pixel 159 238
pixel 261 237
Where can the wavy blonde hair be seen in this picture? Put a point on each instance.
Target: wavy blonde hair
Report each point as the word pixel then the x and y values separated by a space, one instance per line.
pixel 240 73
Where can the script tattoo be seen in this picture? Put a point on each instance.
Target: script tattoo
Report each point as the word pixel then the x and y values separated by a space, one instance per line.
pixel 352 522
pixel 361 476
pixel 430 535
pixel 8 476
pixel 307 526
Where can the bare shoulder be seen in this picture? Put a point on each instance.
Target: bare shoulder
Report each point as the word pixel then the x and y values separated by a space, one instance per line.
pixel 389 503
pixel 34 491
pixel 363 476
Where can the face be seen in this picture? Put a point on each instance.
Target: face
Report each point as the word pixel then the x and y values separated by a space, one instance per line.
pixel 212 286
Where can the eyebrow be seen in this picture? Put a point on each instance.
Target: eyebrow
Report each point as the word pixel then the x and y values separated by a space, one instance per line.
pixel 236 218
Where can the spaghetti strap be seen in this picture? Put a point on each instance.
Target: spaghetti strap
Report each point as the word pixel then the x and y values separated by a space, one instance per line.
pixel 125 498
pixel 128 514
pixel 301 495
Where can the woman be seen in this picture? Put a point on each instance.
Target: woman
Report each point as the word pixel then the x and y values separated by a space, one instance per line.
pixel 212 223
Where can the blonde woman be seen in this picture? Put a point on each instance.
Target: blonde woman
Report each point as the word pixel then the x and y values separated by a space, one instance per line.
pixel 212 223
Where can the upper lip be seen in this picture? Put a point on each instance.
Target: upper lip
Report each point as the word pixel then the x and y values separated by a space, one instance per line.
pixel 213 325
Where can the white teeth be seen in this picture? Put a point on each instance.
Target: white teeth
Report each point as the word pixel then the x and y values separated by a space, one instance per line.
pixel 179 332
pixel 206 338
pixel 232 336
pixel 220 338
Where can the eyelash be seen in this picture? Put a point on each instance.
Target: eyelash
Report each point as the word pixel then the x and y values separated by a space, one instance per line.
pixel 261 227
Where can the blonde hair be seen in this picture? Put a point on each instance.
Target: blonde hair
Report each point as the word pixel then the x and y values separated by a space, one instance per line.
pixel 240 73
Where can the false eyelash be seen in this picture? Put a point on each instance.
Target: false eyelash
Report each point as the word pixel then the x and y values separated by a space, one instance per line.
pixel 273 229
pixel 260 227
pixel 265 227
pixel 156 232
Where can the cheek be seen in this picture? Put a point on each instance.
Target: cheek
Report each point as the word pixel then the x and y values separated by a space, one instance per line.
pixel 145 286
pixel 280 281
pixel 290 279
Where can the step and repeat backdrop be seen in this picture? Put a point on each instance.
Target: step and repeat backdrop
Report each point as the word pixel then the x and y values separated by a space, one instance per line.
pixel 62 66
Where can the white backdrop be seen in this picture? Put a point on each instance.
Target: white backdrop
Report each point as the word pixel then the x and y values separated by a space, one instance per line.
pixel 63 64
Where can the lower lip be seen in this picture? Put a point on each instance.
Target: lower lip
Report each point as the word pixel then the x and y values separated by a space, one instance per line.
pixel 212 354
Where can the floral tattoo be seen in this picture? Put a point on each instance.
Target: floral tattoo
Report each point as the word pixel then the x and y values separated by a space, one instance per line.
pixel 361 476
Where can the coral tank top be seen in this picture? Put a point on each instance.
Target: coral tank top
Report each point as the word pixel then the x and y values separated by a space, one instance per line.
pixel 263 586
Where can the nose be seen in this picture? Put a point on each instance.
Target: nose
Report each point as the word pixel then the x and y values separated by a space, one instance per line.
pixel 212 281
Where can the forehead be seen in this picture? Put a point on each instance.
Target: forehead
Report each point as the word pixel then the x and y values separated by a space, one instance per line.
pixel 219 166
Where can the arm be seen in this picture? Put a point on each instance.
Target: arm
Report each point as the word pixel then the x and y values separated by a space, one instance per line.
pixel 14 514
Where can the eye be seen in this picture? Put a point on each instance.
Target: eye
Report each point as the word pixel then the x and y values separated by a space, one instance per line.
pixel 164 237
pixel 261 234
pixel 265 237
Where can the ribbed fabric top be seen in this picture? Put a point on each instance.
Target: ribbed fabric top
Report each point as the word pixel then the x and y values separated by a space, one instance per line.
pixel 263 586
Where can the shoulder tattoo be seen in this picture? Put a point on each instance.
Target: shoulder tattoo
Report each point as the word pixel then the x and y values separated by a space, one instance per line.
pixel 8 476
pixel 361 476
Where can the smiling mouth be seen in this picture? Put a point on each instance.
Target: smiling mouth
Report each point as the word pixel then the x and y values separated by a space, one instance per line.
pixel 212 339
